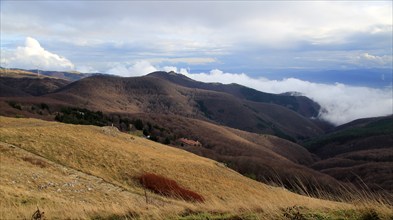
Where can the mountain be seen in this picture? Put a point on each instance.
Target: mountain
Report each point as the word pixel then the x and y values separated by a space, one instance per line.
pixel 224 123
pixel 360 152
pixel 200 113
pixel 28 86
pixel 92 172
pixel 70 75
pixel 150 94
pixel 17 82
pixel 36 73
pixel 299 104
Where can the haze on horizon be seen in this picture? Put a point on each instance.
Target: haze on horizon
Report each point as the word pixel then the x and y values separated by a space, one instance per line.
pixel 260 44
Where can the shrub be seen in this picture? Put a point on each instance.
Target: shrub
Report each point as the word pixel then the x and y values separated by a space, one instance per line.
pixel 370 215
pixel 36 161
pixel 138 124
pixel 15 105
pixel 81 116
pixel 167 141
pixel 145 132
pixel 293 213
pixel 44 106
pixel 167 187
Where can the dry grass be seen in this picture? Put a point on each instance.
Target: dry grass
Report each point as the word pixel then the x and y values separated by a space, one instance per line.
pixel 91 173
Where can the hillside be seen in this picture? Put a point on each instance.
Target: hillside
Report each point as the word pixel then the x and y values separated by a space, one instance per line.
pixel 274 160
pixel 229 129
pixel 29 86
pixel 360 152
pixel 19 73
pixel 300 104
pixel 262 157
pixel 74 171
pixel 64 75
pixel 20 83
pixel 231 105
pixel 153 95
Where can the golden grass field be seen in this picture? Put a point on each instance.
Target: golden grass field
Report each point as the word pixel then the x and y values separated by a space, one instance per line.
pixel 89 172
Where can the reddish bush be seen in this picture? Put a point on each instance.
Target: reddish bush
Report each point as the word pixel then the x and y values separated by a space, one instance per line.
pixel 36 161
pixel 167 187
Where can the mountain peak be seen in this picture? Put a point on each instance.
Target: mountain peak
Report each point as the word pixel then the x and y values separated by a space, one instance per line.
pixel 171 76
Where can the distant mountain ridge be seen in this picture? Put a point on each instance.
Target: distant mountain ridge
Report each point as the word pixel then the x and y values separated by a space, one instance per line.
pixel 300 104
pixel 36 73
pixel 152 94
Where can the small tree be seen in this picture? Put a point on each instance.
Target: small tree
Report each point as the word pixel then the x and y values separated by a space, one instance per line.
pixel 167 141
pixel 138 124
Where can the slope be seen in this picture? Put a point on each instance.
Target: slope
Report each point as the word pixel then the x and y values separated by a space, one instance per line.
pixel 75 171
pixel 262 157
pixel 360 152
pixel 30 85
pixel 300 104
pixel 154 95
pixel 64 75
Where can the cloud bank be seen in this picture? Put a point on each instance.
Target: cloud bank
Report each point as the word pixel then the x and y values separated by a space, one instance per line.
pixel 340 103
pixel 139 68
pixel 32 55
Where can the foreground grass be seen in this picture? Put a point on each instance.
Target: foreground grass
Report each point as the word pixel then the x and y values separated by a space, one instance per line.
pixel 88 172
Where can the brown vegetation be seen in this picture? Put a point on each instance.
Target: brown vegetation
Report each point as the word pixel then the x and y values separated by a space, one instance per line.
pixel 168 187
pixel 359 152
pixel 264 158
pixel 150 94
pixel 36 161
pixel 92 176
pixel 31 86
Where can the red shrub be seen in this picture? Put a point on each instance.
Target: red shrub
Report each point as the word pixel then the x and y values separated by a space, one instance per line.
pixel 36 161
pixel 168 187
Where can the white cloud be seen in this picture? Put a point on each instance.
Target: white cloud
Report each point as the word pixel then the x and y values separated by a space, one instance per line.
pixel 205 32
pixel 204 26
pixel 86 69
pixel 139 68
pixel 369 60
pixel 170 69
pixel 341 103
pixel 33 55
pixel 189 60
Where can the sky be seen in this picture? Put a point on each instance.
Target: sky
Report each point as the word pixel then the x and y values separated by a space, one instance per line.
pixel 272 46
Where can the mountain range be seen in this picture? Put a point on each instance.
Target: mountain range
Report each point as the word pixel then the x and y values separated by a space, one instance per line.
pixel 272 138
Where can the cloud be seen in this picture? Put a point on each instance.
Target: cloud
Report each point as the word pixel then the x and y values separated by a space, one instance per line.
pixel 86 69
pixel 33 55
pixel 188 60
pixel 369 60
pixel 341 103
pixel 202 32
pixel 139 68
